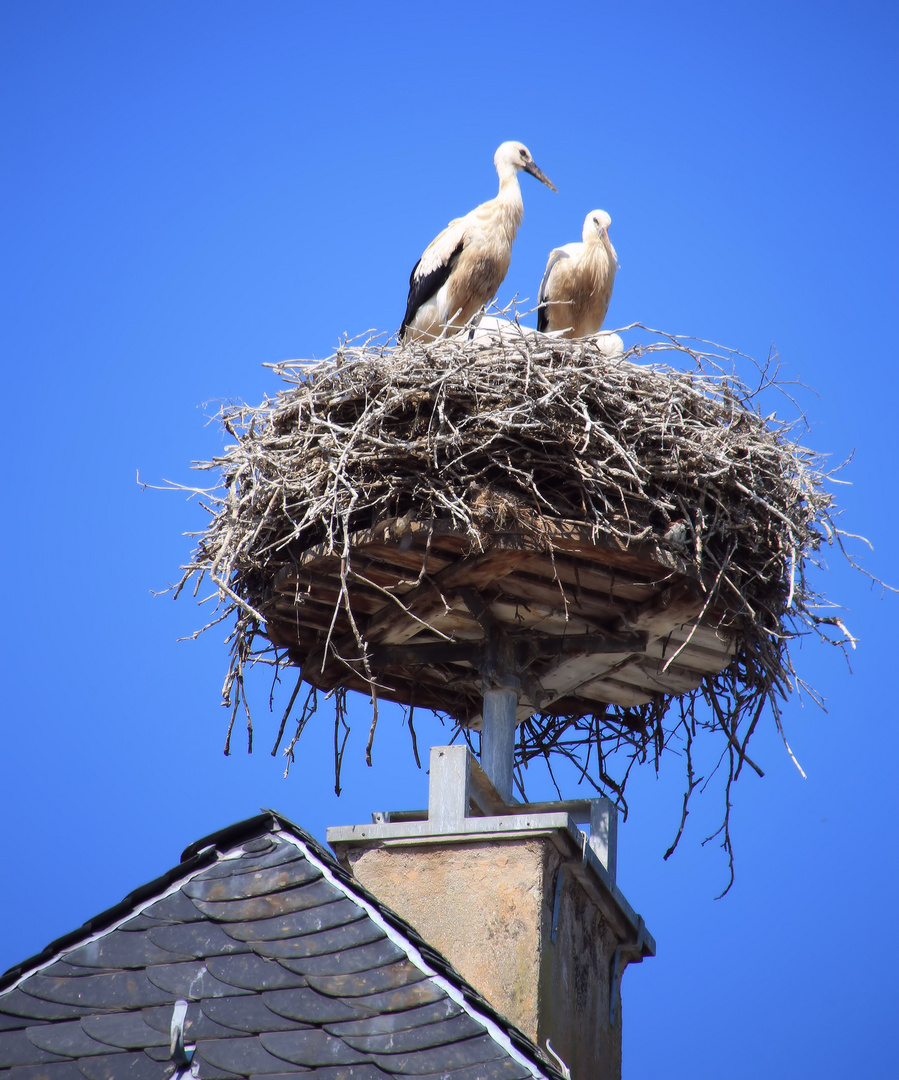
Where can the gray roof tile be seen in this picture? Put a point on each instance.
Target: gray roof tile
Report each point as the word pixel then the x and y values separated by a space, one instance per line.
pixel 193 980
pixel 307 921
pixel 58 1070
pixel 360 932
pixel 405 997
pixel 241 886
pixel 245 1056
pixel 361 958
pixel 197 1024
pixel 311 1048
pixel 310 1007
pixel 361 983
pixel 19 1003
pixel 125 1067
pixel 384 1023
pixel 455 1055
pixel 195 939
pixel 500 1069
pixel 17 1049
pixel 423 1037
pixel 344 1072
pixel 127 1030
pixel 66 1040
pixel 123 949
pixel 284 969
pixel 251 972
pixel 176 908
pixel 271 904
pixel 114 990
pixel 247 1014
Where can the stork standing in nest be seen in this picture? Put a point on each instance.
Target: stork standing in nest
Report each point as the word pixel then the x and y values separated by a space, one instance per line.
pixel 577 285
pixel 462 268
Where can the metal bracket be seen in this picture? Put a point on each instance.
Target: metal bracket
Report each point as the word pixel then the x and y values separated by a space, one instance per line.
pixel 635 947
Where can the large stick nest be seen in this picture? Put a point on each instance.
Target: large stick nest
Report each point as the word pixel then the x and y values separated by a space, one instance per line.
pixel 503 433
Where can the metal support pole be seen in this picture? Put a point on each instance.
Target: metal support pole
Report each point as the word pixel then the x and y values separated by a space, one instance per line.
pixel 498 737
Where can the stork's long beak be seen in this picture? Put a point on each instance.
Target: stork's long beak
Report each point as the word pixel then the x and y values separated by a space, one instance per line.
pixel 541 176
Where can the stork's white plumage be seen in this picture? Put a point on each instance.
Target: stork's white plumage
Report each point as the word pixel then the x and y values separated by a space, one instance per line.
pixel 577 285
pixel 462 268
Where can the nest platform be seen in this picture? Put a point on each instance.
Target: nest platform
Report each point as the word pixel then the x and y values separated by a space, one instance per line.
pixel 624 540
pixel 579 623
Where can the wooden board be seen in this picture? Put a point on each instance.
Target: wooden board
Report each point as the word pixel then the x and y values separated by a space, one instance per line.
pixel 584 619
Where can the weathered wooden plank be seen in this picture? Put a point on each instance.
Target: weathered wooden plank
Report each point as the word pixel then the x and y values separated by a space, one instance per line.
pixel 649 676
pixel 592 579
pixel 614 692
pixel 541 618
pixel 692 657
pixel 434 597
pixel 535 590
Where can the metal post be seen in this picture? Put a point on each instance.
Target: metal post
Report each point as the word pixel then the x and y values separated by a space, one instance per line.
pixel 449 789
pixel 604 834
pixel 498 737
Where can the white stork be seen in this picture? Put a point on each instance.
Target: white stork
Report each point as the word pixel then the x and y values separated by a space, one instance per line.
pixel 577 285
pixel 462 268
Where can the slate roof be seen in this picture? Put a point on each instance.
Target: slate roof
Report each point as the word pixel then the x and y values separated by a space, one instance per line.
pixel 257 956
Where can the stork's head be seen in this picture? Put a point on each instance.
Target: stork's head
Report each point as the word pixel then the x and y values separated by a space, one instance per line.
pixel 513 156
pixel 596 225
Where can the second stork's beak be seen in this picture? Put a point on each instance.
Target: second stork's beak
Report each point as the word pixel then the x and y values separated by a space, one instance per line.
pixel 540 175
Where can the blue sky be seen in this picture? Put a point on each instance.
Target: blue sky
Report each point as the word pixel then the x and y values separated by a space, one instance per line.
pixel 192 190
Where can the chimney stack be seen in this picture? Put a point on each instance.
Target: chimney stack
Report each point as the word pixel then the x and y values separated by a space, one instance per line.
pixel 520 900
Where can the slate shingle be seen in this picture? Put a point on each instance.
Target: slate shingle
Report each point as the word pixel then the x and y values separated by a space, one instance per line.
pixel 384 1023
pixel 123 949
pixel 128 1030
pixel 194 939
pixel 247 1014
pixel 176 908
pixel 269 905
pixel 455 1055
pixel 311 1048
pixel 241 886
pixel 306 921
pixel 19 1002
pixel 17 1049
pixel 115 990
pixel 66 1040
pixel 344 1072
pixel 500 1069
pixel 310 1007
pixel 125 1067
pixel 251 972
pixel 406 997
pixel 361 958
pixel 59 1070
pixel 283 970
pixel 360 932
pixel 193 980
pixel 423 1037
pixel 197 1025
pixel 362 983
pixel 246 1056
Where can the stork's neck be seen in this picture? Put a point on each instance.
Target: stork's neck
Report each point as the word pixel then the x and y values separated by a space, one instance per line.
pixel 509 201
pixel 509 191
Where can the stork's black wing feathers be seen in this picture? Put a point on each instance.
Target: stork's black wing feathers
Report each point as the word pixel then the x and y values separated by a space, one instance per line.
pixel 423 288
pixel 542 317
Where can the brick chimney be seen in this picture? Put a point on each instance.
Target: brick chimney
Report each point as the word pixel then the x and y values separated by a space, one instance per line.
pixel 520 900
